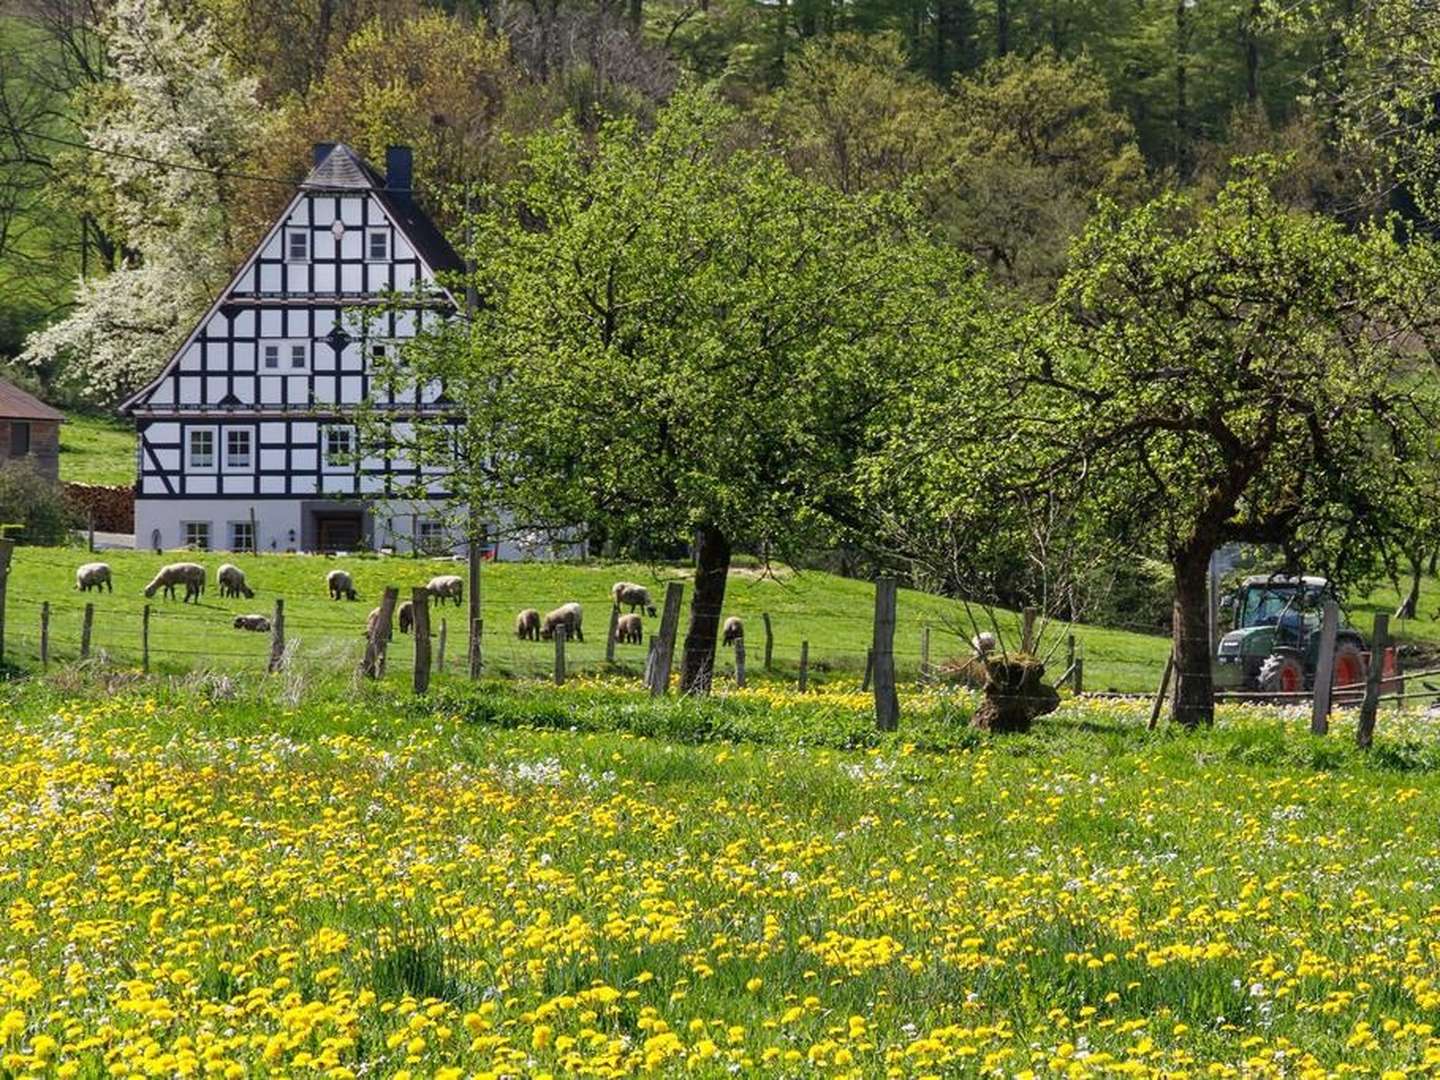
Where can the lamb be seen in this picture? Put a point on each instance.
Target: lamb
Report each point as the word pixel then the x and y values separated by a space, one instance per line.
pixel 734 630
pixel 566 615
pixel 629 630
pixel 527 625
pixel 984 643
pixel 635 596
pixel 340 584
pixel 93 575
pixel 189 574
pixel 405 616
pixel 372 621
pixel 257 623
pixel 446 587
pixel 231 580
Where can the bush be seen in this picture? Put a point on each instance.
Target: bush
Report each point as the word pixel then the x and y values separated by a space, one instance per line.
pixel 31 500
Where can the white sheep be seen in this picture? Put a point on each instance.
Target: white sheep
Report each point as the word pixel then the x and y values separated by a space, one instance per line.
pixel 629 630
pixel 984 643
pixel 340 584
pixel 372 622
pixel 189 574
pixel 257 623
pixel 734 630
pixel 527 625
pixel 446 587
pixel 93 575
pixel 231 580
pixel 628 594
pixel 566 615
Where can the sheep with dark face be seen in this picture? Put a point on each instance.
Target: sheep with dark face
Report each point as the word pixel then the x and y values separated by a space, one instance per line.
pixel 231 580
pixel 734 630
pixel 629 630
pixel 340 584
pixel 566 615
pixel 446 587
pixel 628 594
pixel 984 643
pixel 189 574
pixel 94 575
pixel 257 623
pixel 527 625
pixel 405 616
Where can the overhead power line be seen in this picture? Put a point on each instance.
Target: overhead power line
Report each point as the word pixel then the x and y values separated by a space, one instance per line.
pixel 158 162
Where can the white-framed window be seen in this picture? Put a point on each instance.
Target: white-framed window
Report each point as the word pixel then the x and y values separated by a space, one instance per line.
pixel 242 536
pixel 297 245
pixel 271 354
pixel 377 245
pixel 239 448
pixel 338 446
pixel 430 535
pixel 299 354
pixel 197 535
pixel 201 446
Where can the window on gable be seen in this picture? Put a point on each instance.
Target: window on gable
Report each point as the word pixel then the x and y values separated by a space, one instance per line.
pixel 202 449
pixel 339 447
pixel 272 356
pixel 297 245
pixel 298 356
pixel 377 245
pixel 237 448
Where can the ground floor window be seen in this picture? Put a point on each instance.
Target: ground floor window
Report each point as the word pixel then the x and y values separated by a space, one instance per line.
pixel 242 536
pixel 197 535
pixel 430 535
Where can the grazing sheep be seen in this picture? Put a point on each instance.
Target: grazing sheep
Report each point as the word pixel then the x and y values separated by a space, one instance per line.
pixel 93 575
pixel 527 625
pixel 984 643
pixel 566 615
pixel 629 630
pixel 189 574
pixel 340 584
pixel 405 616
pixel 258 623
pixel 231 580
pixel 446 587
pixel 627 593
pixel 371 622
pixel 734 630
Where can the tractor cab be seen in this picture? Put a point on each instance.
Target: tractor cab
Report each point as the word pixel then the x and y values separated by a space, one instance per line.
pixel 1275 643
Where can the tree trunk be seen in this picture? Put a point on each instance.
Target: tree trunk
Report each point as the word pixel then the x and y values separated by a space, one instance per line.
pixel 1002 27
pixel 1407 607
pixel 712 566
pixel 1182 99
pixel 1193 703
pixel 1252 53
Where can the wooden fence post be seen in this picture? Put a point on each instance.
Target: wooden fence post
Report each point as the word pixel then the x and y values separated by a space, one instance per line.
pixel 665 643
pixel 254 534
pixel 7 548
pixel 560 656
pixel 649 676
pixel 90 518
pixel 887 701
pixel 420 606
pixel 1324 669
pixel 86 626
pixel 1164 688
pixel 1027 631
pixel 869 670
pixel 610 637
pixel 380 634
pixel 804 666
pixel 476 626
pixel 44 634
pixel 769 639
pixel 475 553
pixel 924 655
pixel 1365 727
pixel 145 640
pixel 740 663
pixel 1070 652
pixel 1077 680
pixel 440 648
pixel 277 637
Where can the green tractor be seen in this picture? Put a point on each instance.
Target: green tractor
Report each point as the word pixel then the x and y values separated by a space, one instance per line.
pixel 1275 645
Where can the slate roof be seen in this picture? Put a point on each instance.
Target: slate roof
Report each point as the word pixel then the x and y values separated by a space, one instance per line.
pixel 16 404
pixel 343 170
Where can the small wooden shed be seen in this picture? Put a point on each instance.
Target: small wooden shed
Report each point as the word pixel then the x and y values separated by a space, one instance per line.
pixel 29 431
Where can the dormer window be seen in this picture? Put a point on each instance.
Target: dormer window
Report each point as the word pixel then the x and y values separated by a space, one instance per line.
pixel 297 246
pixel 377 245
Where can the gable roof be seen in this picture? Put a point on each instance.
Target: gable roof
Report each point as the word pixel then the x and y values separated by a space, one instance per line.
pixel 342 169
pixel 16 404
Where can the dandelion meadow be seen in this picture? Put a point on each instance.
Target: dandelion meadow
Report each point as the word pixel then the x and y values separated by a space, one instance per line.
pixel 200 881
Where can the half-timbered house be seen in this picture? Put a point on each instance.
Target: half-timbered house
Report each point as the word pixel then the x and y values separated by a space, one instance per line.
pixel 247 437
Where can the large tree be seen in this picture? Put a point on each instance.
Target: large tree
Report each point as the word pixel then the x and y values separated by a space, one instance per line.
pixel 1212 374
pixel 682 340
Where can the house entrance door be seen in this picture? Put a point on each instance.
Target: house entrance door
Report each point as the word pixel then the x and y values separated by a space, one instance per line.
pixel 339 531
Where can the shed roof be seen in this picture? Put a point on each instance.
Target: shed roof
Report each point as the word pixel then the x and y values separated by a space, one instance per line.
pixel 16 404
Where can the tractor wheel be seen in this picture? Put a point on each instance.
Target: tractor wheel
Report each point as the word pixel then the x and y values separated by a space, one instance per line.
pixel 1282 672
pixel 1349 670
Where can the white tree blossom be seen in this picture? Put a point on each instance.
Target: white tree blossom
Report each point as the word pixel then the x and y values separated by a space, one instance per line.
pixel 162 135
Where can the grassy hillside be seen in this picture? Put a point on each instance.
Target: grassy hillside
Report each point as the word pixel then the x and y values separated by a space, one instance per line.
pixel 834 614
pixel 357 885
pixel 97 450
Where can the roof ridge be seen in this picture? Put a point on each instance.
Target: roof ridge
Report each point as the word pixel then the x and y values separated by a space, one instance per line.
pixel 344 169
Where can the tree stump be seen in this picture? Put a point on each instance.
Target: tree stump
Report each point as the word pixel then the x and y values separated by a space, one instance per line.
pixel 1015 694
